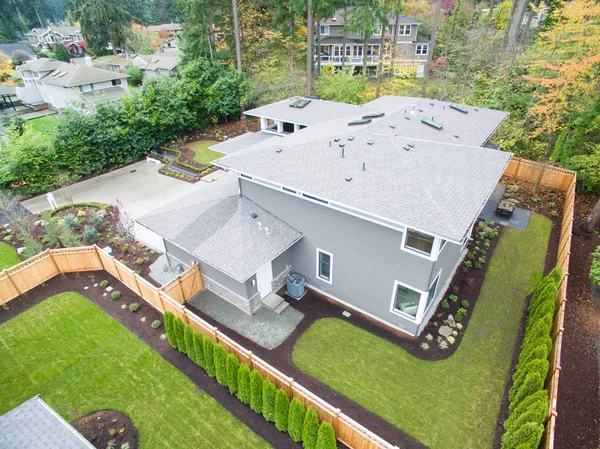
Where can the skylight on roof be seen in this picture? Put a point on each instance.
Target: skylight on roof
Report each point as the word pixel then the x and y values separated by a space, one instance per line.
pixel 374 115
pixel 363 121
pixel 299 103
pixel 62 74
pixel 459 108
pixel 431 123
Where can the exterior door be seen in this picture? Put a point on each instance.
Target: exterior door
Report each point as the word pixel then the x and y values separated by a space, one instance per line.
pixel 264 277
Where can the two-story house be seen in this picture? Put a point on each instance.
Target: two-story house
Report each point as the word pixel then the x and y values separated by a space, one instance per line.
pixel 373 210
pixel 150 65
pixel 60 84
pixel 70 36
pixel 340 47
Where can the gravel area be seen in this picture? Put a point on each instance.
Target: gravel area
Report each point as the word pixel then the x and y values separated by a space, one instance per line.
pixel 265 328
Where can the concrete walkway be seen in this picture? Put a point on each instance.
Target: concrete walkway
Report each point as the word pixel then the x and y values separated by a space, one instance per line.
pixel 139 187
pixel 265 328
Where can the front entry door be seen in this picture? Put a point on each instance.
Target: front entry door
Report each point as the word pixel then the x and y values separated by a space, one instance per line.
pixel 264 277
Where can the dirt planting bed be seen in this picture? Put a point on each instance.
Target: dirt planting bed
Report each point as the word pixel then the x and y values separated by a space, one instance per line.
pixel 105 426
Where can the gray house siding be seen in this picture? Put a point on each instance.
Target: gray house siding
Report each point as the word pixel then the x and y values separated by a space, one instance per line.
pixel 367 259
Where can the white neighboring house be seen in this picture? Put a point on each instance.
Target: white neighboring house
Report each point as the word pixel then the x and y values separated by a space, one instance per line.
pixel 155 65
pixel 60 84
pixel 69 36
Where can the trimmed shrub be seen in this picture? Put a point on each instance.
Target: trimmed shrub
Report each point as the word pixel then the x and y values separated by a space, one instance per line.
pixel 556 274
pixel 188 338
pixel 116 294
pixel 296 420
pixel 326 437
pixel 68 238
pixel 282 408
pixel 543 291
pixel 540 329
pixel 169 329
pixel 179 329
pixel 268 395
pixel 156 324
pixel 90 235
pixel 134 307
pixel 209 358
pixel 535 366
pixel 104 284
pixel 548 295
pixel 545 308
pixel 256 384
pixel 537 401
pixel 528 434
pixel 310 429
pixel 32 247
pixel 199 350
pixel 538 353
pixel 243 393
pixel 71 221
pixel 220 359
pixel 97 221
pixel 533 382
pixel 233 366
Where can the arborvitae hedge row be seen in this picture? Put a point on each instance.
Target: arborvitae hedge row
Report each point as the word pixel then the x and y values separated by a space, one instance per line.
pixel 256 388
pixel 188 336
pixel 243 393
pixel 296 419
pixel 199 349
pixel 179 327
pixel 268 408
pixel 282 408
pixel 209 359
pixel 310 429
pixel 326 437
pixel 220 357
pixel 233 366
pixel 169 329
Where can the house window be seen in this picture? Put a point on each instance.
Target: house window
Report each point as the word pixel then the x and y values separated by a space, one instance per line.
pixel 419 242
pixel 432 291
pixel 406 300
pixel 372 50
pixel 116 82
pixel 377 30
pixel 324 30
pixel 324 265
pixel 403 30
pixel 422 49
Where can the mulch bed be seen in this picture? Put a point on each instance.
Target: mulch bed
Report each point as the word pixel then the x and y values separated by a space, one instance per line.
pixel 98 426
pixel 578 422
pixel 220 131
pixel 75 282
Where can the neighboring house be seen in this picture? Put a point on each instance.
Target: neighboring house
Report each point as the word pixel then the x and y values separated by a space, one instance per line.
pixel 340 47
pixel 166 29
pixel 60 84
pixel 69 36
pixel 9 49
pixel 374 208
pixel 156 65
pixel 169 44
pixel 35 425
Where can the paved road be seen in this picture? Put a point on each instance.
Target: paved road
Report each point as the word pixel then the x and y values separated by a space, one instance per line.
pixel 139 187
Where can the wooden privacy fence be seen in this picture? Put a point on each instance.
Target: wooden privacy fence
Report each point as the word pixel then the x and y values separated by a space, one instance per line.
pixel 27 275
pixel 562 179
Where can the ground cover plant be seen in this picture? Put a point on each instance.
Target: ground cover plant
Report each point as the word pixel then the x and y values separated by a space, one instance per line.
pixel 77 357
pixel 8 256
pixel 451 403
pixel 250 387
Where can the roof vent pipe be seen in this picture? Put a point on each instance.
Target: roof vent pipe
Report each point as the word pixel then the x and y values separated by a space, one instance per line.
pixel 342 152
pixel 364 166
pixel 330 143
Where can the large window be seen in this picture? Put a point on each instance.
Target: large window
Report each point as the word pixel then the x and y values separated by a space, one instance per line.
pixel 324 265
pixel 421 243
pixel 403 30
pixel 422 49
pixel 432 292
pixel 406 300
pixel 116 82
pixel 324 30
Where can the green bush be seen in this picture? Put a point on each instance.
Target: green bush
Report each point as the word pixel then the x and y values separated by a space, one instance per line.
pixel 32 247
pixel 537 330
pixel 116 294
pixel 268 407
pixel 52 230
pixel 537 401
pixel 97 221
pixel 90 235
pixel 71 221
pixel 170 329
pixel 199 350
pixel 528 434
pixel 310 429
pixel 256 387
pixel 533 383
pixel 179 329
pixel 556 274
pixel 139 261
pixel 296 420
pixel 539 352
pixel 188 337
pixel 156 324
pixel 282 408
pixel 233 366
pixel 209 358
pixel 125 249
pixel 134 307
pixel 220 359
pixel 326 437
pixel 445 304
pixel 243 393
pixel 548 293
pixel 535 366
pixel 544 309
pixel 68 238
pixel 464 303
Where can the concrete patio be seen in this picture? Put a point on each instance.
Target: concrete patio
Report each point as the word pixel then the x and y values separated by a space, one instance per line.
pixel 519 218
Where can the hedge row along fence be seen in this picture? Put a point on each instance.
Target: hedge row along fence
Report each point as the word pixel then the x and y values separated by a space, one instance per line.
pixel 29 274
pixel 565 180
pixel 250 387
pixel 528 401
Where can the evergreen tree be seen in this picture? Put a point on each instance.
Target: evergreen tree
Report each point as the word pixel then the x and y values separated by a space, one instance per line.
pixel 296 420
pixel 233 367
pixel 310 429
pixel 256 389
pixel 282 408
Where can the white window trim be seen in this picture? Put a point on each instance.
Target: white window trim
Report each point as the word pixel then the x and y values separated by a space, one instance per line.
pixel 435 248
pixel 442 244
pixel 378 30
pixel 420 310
pixel 405 27
pixel 318 272
pixel 422 46
pixel 326 30
pixel 435 293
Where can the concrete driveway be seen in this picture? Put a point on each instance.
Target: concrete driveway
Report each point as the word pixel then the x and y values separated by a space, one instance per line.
pixel 139 187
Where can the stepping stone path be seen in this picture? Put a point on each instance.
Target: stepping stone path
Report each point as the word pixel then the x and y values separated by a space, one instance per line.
pixel 95 285
pixel 346 314
pixel 86 287
pixel 450 321
pixel 105 294
pixel 445 331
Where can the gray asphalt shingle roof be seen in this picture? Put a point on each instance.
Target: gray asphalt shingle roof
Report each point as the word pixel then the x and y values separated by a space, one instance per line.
pixel 218 229
pixel 240 142
pixel 34 425
pixel 338 18
pixel 76 75
pixel 8 49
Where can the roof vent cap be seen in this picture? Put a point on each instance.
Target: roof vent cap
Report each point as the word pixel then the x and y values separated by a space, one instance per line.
pixel 348 178
pixel 370 142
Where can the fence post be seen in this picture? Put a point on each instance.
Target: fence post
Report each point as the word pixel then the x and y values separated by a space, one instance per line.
pixel 116 268
pixel 49 252
pixel 12 282
pixel 180 288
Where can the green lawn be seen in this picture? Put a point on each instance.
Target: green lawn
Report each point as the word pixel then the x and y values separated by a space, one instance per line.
pixel 46 124
pixel 453 403
pixel 203 154
pixel 77 357
pixel 8 256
